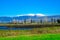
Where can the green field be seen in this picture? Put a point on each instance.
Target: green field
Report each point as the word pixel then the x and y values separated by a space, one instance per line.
pixel 33 37
pixel 46 33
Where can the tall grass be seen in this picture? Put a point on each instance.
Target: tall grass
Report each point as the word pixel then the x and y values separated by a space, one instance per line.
pixel 45 30
pixel 46 33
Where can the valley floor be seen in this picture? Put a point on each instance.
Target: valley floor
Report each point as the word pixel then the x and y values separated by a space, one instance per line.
pixel 46 33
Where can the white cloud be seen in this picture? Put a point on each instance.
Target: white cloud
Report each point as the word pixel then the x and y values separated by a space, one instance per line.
pixel 32 14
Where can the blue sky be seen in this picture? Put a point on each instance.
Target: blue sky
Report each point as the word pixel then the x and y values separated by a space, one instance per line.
pixel 17 7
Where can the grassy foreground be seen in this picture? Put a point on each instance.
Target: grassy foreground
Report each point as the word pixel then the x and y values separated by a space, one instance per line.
pixel 46 33
pixel 34 37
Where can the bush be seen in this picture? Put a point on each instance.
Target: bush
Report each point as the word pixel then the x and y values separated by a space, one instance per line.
pixel 58 20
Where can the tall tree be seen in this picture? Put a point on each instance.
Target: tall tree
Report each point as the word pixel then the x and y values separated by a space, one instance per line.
pixel 58 20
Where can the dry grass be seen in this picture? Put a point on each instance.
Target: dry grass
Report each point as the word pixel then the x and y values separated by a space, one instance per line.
pixel 46 30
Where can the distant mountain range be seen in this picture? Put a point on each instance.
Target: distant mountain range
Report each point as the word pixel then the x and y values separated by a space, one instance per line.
pixel 26 17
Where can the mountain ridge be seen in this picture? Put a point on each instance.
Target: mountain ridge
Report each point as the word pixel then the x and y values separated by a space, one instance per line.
pixel 7 19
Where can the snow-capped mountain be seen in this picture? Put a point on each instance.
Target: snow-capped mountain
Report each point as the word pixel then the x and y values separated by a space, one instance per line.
pixel 28 16
pixel 31 15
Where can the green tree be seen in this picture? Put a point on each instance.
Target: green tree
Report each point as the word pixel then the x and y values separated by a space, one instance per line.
pixel 58 20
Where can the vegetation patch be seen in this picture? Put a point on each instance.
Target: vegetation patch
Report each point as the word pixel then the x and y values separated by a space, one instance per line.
pixel 46 33
pixel 34 37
